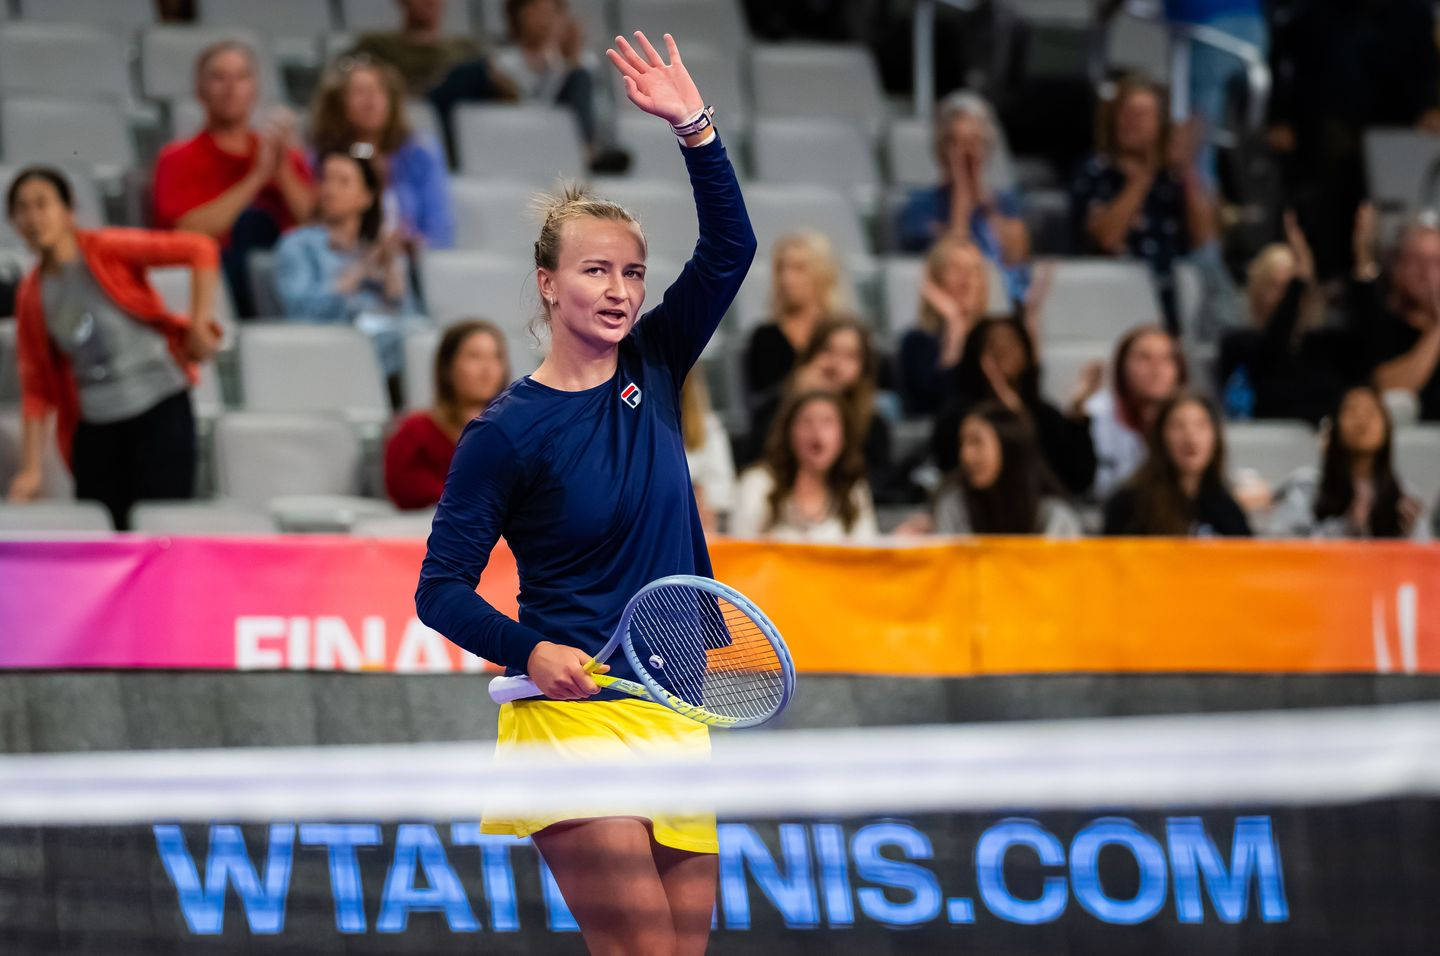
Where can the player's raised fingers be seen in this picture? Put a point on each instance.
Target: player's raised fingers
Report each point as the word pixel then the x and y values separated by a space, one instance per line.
pixel 671 50
pixel 652 56
pixel 622 65
pixel 631 57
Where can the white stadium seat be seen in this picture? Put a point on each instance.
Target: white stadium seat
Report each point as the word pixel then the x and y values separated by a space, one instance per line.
pixel 127 15
pixel 1399 165
pixel 776 209
pixel 910 153
pixel 1417 462
pixel 1100 299
pixel 1061 364
pixel 419 379
pixel 200 517
pixel 42 58
pixel 719 24
pixel 826 152
pixel 299 367
pixel 259 455
pixel 666 211
pixel 88 131
pixel 538 144
pixel 43 518
pixel 654 151
pixel 812 80
pixel 494 215
pixel 281 18
pixel 1273 449
pixel 460 284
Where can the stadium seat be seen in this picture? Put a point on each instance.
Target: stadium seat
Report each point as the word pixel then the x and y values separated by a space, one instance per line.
pixel 168 54
pixel 494 215
pixel 329 514
pixel 1273 449
pixel 200 518
pixel 718 24
pixel 405 524
pixel 299 367
pixel 826 152
pixel 1100 299
pixel 260 455
pixel 654 151
pixel 262 282
pixel 1417 462
pixel 910 153
pixel 537 144
pixel 501 289
pixel 173 284
pixel 9 369
pixel 1061 363
pixel 41 59
pixel 666 211
pixel 126 15
pixel 813 80
pixel 1138 45
pixel 38 129
pixel 419 379
pixel 281 18
pixel 361 16
pixel 47 517
pixel 776 209
pixel 1401 164
pixel 57 482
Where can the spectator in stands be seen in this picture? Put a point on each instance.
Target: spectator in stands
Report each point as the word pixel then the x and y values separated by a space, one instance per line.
pixel 1398 315
pixel 811 484
pixel 805 290
pixel 1142 192
pixel 1180 488
pixel 954 295
pixel 547 62
pixel 970 201
pixel 98 350
pixel 998 364
pixel 361 101
pixel 1287 364
pixel 1002 484
pixel 424 54
pixel 471 368
pixel 233 182
pixel 1340 68
pixel 1356 493
pixel 1148 370
pixel 707 451
pixel 841 359
pixel 346 267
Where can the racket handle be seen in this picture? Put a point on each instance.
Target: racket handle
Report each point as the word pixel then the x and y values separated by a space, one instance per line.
pixel 505 689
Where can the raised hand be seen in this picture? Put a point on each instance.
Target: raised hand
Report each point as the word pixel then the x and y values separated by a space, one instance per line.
pixel 1295 239
pixel 659 88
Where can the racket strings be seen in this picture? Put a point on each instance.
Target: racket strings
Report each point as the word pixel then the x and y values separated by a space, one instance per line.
pixel 708 652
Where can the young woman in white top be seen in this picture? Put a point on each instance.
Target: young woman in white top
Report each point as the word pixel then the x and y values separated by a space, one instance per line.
pixel 810 485
pixel 707 452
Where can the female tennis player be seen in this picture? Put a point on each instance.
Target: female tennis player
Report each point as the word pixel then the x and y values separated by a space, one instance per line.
pixel 581 465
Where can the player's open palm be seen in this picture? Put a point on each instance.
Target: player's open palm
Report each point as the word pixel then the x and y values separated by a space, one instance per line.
pixel 659 88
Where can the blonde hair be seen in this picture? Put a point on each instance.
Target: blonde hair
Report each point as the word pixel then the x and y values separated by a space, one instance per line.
pixel 824 266
pixel 573 202
pixel 931 321
pixel 1264 263
pixel 694 409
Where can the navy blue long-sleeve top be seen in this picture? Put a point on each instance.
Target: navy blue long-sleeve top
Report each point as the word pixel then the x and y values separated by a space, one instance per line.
pixel 589 488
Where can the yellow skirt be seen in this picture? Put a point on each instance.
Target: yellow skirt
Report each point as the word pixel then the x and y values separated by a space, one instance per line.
pixel 611 733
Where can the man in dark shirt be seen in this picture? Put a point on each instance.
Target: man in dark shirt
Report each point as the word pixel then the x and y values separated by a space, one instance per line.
pixel 1399 317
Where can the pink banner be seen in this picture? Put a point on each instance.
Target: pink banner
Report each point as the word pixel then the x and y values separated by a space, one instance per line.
pixel 231 603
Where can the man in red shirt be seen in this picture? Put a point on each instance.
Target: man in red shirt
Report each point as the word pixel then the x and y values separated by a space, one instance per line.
pixel 232 182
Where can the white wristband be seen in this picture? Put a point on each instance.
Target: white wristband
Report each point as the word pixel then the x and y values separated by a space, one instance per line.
pixel 709 135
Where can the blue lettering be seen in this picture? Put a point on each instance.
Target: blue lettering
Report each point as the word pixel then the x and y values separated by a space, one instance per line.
pixel 1085 871
pixel 1193 857
pixel 990 852
pixel 341 839
pixel 925 897
pixel 793 894
pixel 558 918
pixel 495 871
pixel 228 860
pixel 417 845
pixel 834 873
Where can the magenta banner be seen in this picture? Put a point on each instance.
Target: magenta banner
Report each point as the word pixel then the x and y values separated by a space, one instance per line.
pixel 312 603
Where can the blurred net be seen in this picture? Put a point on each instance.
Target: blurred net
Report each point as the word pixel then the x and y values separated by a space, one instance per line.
pixel 1313 757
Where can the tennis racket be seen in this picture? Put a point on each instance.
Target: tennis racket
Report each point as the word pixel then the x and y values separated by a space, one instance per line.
pixel 699 647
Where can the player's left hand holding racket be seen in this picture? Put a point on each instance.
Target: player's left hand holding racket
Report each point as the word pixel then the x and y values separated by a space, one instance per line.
pixel 700 648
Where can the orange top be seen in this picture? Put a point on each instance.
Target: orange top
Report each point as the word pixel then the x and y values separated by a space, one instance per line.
pixel 118 259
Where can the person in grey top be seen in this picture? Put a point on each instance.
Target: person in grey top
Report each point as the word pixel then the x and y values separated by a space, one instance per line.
pixel 99 351
pixel 1002 485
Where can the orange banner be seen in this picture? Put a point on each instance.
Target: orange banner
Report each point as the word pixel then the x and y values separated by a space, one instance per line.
pixel 1025 606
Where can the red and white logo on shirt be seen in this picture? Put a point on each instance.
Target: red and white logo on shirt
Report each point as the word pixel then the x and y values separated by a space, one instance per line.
pixel 630 395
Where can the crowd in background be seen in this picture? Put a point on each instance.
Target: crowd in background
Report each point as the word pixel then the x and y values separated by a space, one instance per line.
pixel 1331 328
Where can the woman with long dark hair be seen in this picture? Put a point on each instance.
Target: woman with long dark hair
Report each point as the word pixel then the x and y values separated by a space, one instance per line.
pixel 810 486
pixel 1002 484
pixel 1180 489
pixel 471 368
pixel 998 363
pixel 1356 493
pixel 99 351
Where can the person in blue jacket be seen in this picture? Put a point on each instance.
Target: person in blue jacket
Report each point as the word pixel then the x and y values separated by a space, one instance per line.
pixel 581 466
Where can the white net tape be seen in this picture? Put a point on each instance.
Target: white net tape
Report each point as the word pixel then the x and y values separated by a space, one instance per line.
pixel 1272 758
